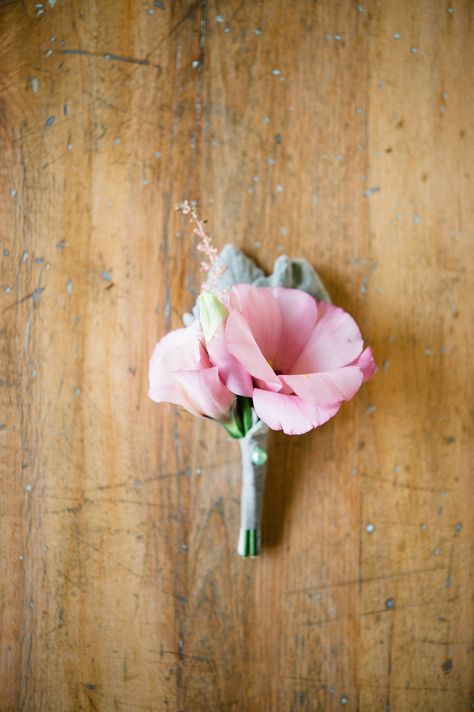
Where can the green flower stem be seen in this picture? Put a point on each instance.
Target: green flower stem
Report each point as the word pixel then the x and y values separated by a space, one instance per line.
pixel 249 543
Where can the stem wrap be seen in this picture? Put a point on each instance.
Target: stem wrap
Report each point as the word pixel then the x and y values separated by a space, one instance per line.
pixel 253 449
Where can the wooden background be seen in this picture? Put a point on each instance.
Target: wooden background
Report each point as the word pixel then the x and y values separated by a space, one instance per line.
pixel 336 131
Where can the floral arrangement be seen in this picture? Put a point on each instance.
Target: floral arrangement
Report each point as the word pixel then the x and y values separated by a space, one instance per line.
pixel 255 357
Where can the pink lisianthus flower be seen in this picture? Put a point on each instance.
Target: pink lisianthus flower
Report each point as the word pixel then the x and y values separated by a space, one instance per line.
pixel 180 372
pixel 303 357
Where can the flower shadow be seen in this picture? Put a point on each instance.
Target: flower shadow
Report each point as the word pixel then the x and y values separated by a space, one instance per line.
pixel 291 460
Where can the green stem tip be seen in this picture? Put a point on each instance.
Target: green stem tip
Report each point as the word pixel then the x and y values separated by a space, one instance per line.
pixel 248 543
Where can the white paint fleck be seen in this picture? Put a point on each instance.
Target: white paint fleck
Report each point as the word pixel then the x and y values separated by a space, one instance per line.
pixel 415 218
pixel 283 230
pixel 7 290
pixel 360 8
pixel 195 64
pixel 370 528
pixel 437 551
pixel 257 32
pixel 69 286
pixel 28 487
pixel 157 154
pixel 48 53
pixel 21 557
pixel 69 147
pixel 257 244
pixel 13 193
pixel 371 409
pixel 279 188
pixel 77 392
pixel 106 276
pixel 413 50
pixel 219 18
pixel 276 72
pixel 271 161
pixel 51 3
pixel 35 85
pixel 37 294
pixel 146 181
pixel 338 38
pixel 371 190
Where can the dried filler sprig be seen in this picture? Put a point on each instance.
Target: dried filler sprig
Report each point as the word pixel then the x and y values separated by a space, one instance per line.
pixel 209 265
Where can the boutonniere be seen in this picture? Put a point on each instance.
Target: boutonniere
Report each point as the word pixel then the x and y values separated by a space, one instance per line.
pixel 257 353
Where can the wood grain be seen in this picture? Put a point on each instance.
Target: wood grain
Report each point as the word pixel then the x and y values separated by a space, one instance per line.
pixel 336 131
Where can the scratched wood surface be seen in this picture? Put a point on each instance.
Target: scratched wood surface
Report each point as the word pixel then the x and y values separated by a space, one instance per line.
pixel 336 131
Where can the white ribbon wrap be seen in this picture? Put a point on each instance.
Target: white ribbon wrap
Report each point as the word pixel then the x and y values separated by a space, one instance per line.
pixel 253 448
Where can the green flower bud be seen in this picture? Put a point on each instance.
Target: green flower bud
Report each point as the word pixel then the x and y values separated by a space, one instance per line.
pixel 212 313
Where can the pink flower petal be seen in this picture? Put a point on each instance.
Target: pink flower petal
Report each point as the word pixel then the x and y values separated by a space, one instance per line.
pixel 180 372
pixel 299 313
pixel 206 392
pixel 181 348
pixel 241 344
pixel 166 390
pixel 336 341
pixel 326 388
pixel 290 413
pixel 262 313
pixel 366 363
pixel 231 372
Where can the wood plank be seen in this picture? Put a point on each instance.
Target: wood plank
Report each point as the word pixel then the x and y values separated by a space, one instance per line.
pixel 336 131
